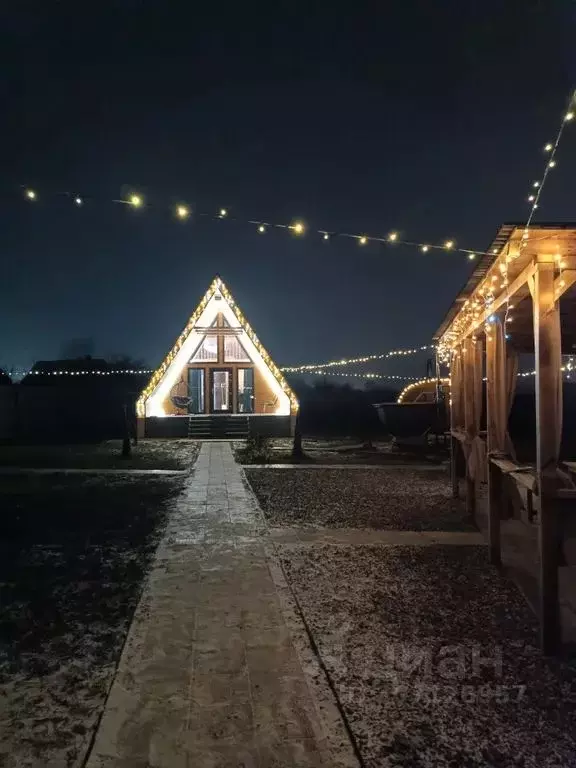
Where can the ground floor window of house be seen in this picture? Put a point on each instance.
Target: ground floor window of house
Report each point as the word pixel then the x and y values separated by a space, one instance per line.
pixel 245 390
pixel 196 390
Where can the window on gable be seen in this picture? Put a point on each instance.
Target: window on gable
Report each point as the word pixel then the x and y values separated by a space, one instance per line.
pixel 207 351
pixel 234 352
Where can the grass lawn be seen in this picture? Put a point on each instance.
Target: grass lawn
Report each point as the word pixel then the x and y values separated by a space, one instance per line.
pixel 74 551
pixel 337 451
pixel 147 454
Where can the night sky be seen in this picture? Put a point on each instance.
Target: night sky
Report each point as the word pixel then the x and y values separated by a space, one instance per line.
pixel 427 117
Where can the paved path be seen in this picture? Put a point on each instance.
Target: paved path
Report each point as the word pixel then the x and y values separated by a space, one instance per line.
pixel 212 672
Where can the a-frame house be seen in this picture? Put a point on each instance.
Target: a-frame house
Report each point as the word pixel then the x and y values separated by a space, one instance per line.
pixel 217 380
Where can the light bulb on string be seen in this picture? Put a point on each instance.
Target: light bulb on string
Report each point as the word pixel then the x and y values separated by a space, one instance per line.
pixel 569 116
pixel 552 164
pixel 135 201
pixel 223 213
pixel 78 200
pixel 261 229
pixel 535 184
pixel 326 236
pixel 449 244
pixel 363 240
pixel 182 211
pixel 393 236
pixel 425 248
pixel 30 194
pixel 298 228
pixel 471 256
pixel 548 148
pixel 531 198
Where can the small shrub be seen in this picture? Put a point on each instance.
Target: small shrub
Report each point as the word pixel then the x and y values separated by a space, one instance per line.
pixel 256 451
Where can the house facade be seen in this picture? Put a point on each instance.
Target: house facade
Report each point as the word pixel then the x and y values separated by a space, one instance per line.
pixel 218 380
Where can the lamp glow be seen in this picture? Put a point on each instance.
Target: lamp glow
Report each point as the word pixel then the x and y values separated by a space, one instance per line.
pixel 30 194
pixel 223 213
pixel 261 229
pixel 569 116
pixel 449 244
pixel 393 236
pixel 363 240
pixel 135 201
pixel 182 212
pixel 78 200
pixel 298 228
pixel 425 248
pixel 548 148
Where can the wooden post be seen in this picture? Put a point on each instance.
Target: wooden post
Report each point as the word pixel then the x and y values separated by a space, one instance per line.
pixel 467 375
pixel 454 465
pixel 494 477
pixel 546 353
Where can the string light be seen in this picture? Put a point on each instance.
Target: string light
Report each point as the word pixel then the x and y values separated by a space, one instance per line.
pixel 569 116
pixel 485 292
pixel 354 360
pixel 297 227
pixel 261 229
pixel 419 383
pixel 471 256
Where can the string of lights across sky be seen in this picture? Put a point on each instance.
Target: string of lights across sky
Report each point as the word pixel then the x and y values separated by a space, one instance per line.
pixel 183 212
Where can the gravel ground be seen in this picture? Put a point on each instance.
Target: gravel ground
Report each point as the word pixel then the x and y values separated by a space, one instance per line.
pixel 375 612
pixel 73 555
pixel 148 454
pixel 399 499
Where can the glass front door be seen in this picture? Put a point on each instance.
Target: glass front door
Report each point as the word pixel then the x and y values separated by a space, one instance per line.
pixel 220 390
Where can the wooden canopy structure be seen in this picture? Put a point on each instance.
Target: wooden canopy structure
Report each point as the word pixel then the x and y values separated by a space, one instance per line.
pixel 521 298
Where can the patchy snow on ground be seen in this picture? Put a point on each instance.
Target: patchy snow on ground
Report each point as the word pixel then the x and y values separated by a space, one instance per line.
pixel 398 498
pixel 74 552
pixel 434 657
pixel 147 454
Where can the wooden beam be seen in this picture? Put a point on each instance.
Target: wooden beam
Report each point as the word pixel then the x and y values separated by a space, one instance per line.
pixel 547 351
pixel 564 281
pixel 515 286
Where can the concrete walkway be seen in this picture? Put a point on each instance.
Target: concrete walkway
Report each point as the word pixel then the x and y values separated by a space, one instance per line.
pixel 211 675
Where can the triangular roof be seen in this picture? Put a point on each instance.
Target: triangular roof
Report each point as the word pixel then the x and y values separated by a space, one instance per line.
pixel 171 367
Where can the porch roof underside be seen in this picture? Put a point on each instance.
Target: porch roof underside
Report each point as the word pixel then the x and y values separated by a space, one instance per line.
pixel 551 236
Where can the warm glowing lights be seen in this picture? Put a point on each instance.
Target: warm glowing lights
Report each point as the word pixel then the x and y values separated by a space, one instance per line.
pixel 78 200
pixel 393 236
pixel 135 201
pixel 552 164
pixel 471 256
pixel 30 194
pixel 535 184
pixel 449 244
pixel 425 248
pixel 261 229
pixel 548 148
pixel 298 228
pixel 531 198
pixel 326 236
pixel 363 240
pixel 223 213
pixel 182 211
pixel 569 116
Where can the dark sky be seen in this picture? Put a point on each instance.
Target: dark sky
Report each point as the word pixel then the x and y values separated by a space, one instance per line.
pixel 424 117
